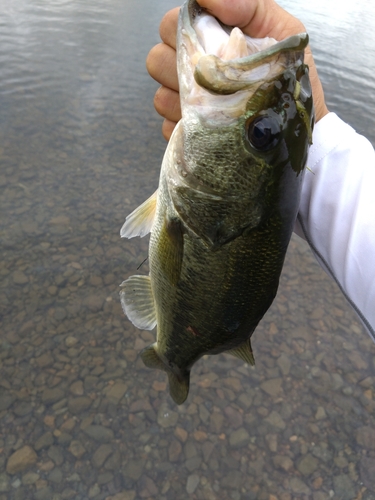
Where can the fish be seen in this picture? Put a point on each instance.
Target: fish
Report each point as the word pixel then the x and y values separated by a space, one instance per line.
pixel 222 216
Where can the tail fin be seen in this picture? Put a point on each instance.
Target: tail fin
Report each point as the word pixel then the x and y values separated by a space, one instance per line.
pixel 178 384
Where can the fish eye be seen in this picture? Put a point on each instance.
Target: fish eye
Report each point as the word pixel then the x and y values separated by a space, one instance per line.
pixel 263 133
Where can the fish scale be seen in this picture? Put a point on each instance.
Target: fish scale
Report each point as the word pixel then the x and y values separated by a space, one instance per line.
pixel 228 196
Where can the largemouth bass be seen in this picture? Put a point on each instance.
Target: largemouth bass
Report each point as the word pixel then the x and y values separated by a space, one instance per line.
pixel 228 195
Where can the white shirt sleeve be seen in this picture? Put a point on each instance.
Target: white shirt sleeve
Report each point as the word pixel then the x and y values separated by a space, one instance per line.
pixel 337 211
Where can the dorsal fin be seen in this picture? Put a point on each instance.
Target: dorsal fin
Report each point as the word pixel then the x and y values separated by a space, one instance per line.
pixel 139 222
pixel 138 302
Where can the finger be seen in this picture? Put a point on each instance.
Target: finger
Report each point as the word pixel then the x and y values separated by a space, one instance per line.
pixel 168 27
pixel 167 129
pixel 161 64
pixel 167 104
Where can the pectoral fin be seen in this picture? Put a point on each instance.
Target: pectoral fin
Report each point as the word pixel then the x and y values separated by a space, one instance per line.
pixel 178 384
pixel 138 302
pixel 139 222
pixel 244 352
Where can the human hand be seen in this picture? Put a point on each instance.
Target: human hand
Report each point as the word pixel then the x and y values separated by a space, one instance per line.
pixel 256 18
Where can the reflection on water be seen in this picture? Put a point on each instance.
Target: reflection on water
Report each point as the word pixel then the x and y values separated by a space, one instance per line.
pixel 342 35
pixel 80 416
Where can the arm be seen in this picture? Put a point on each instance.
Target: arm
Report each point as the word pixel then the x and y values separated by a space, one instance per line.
pixel 337 212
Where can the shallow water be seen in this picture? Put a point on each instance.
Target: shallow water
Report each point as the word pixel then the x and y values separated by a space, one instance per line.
pixel 80 416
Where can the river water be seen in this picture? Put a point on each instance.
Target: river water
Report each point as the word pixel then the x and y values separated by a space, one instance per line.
pixel 80 416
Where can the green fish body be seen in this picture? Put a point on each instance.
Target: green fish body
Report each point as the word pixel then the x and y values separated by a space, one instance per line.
pixel 228 196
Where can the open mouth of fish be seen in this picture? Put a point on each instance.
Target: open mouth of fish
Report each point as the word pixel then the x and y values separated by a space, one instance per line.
pixel 223 61
pixel 220 69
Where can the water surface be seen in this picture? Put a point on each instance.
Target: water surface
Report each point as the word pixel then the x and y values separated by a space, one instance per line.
pixel 80 416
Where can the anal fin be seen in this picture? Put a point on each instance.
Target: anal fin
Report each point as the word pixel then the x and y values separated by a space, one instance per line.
pixel 138 303
pixel 178 384
pixel 139 222
pixel 244 352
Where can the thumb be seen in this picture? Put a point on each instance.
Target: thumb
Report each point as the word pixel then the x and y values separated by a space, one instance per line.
pixel 256 18
pixel 262 18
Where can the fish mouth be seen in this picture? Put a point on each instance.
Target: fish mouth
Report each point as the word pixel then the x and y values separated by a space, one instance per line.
pixel 225 61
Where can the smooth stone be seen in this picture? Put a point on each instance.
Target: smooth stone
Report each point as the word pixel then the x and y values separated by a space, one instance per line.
pixel 322 452
pixel 99 433
pixel 50 396
pixel 344 487
pixel 232 480
pixel 272 387
pixel 245 401
pixel 6 400
pixel 30 478
pixel 192 483
pixel 70 341
pixel 77 388
pixel 366 470
pixel 272 442
pixel 181 434
pixel 45 441
pixel 22 409
pixel 94 303
pixel 69 493
pixel 21 460
pixel 79 404
pixel 64 439
pixel 16 483
pixel 94 491
pixel 43 494
pixel 20 278
pixel 90 382
pixel 134 469
pixel 190 450
pixel 299 487
pixel 44 360
pixel 73 478
pixel 174 450
pixel 139 405
pixel 307 465
pixel 282 462
pixel 76 448
pixel 104 478
pixel 112 462
pixel 366 437
pixel 204 414
pixel 274 418
pixel 4 482
pixel 56 475
pixel 193 463
pixel 117 391
pixel 234 416
pixel 148 488
pixel 320 413
pixel 284 363
pixel 56 455
pixel 216 422
pixel 239 438
pixel 207 450
pixel 101 455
